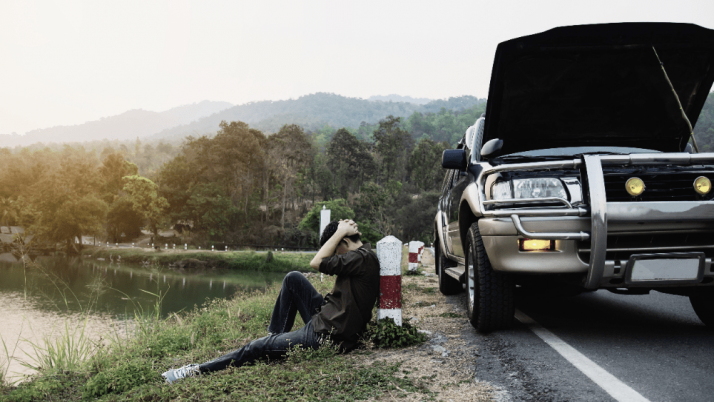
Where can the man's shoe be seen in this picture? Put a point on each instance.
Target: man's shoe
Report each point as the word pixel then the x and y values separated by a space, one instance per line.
pixel 172 375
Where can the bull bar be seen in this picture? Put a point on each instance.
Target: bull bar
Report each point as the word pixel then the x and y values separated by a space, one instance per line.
pixel 598 208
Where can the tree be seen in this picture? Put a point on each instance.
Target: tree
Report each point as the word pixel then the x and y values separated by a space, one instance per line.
pixel 425 165
pixel 350 161
pixel 416 218
pixel 112 170
pixel 8 211
pixel 209 209
pixel 237 159
pixel 338 210
pixel 393 144
pixel 66 199
pixel 290 153
pixel 122 218
pixel 376 205
pixel 143 195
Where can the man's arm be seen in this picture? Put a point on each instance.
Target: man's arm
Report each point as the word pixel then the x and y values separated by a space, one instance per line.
pixel 345 228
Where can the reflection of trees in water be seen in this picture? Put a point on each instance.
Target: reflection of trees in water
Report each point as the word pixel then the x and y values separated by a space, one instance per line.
pixel 61 284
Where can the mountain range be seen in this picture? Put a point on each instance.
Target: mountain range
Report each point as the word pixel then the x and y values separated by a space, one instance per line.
pixel 126 126
pixel 312 112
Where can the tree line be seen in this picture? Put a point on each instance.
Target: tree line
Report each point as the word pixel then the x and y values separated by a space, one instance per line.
pixel 239 186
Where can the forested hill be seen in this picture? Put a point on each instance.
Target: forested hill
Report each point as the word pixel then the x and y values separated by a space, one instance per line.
pixel 313 112
pixel 126 126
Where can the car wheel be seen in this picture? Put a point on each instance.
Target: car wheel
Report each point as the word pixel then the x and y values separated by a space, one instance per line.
pixel 447 284
pixel 490 294
pixel 704 307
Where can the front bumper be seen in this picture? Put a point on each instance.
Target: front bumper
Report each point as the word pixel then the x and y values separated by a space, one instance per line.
pixel 581 233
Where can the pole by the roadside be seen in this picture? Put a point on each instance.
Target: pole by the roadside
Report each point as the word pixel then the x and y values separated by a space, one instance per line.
pixel 415 250
pixel 389 253
pixel 324 220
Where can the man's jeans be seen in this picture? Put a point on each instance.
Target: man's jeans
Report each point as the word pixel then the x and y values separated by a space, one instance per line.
pixel 296 295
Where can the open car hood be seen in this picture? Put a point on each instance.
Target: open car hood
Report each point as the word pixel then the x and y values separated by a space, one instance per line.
pixel 599 85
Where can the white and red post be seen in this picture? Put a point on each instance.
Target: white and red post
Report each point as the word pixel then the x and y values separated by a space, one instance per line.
pixel 416 248
pixel 389 253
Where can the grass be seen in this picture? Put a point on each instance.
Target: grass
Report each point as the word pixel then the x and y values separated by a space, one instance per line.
pixel 130 368
pixel 234 260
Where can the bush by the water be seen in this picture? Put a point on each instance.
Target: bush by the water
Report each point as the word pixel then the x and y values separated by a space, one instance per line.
pixel 233 260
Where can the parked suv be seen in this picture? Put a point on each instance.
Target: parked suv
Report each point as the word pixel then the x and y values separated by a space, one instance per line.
pixel 588 176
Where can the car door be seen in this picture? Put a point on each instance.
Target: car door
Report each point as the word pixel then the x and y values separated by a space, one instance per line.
pixel 444 209
pixel 458 184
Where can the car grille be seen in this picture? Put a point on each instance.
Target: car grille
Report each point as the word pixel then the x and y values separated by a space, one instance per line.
pixel 659 185
pixel 621 247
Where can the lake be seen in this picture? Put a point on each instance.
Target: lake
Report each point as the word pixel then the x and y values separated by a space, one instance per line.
pixel 38 300
pixel 62 284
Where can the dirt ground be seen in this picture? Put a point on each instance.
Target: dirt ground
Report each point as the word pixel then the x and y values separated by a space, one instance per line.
pixel 446 359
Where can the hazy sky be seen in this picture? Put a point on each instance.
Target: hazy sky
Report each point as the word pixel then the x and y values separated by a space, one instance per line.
pixel 66 62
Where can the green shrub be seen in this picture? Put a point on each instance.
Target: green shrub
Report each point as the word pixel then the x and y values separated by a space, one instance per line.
pixel 120 378
pixel 386 334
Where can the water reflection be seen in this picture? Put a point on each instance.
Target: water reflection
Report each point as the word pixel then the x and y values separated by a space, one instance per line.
pixel 62 283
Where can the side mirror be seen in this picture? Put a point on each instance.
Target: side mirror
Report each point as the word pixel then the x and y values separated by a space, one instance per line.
pixel 492 148
pixel 454 159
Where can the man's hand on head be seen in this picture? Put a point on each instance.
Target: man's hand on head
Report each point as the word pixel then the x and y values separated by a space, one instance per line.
pixel 345 227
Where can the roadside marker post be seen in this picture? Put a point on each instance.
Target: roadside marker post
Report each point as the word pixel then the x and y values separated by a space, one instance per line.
pixel 413 256
pixel 226 248
pixel 212 249
pixel 389 253
pixel 324 220
pixel 185 246
pixel 167 246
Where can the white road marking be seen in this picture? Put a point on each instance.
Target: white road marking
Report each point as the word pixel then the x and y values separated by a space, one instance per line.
pixel 616 388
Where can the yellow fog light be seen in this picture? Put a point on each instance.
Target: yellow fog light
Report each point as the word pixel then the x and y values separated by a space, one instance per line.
pixel 702 185
pixel 635 186
pixel 535 245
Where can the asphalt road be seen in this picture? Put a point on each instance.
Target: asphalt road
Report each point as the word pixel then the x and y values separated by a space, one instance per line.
pixel 653 343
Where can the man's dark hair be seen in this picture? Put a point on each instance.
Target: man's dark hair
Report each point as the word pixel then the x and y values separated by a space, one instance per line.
pixel 330 230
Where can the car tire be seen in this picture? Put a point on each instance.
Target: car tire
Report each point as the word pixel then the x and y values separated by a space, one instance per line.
pixel 704 307
pixel 489 294
pixel 447 285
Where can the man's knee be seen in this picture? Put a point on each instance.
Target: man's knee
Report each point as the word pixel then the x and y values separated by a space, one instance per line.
pixel 293 277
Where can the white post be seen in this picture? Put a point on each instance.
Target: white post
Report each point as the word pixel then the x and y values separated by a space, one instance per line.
pixel 185 246
pixel 132 245
pixel 226 248
pixel 389 253
pixel 167 246
pixel 212 249
pixel 174 246
pixel 413 255
pixel 324 220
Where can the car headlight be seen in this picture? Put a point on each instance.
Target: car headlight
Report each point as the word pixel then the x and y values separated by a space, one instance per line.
pixel 528 188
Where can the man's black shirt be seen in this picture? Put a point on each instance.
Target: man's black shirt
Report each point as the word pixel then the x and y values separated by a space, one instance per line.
pixel 348 308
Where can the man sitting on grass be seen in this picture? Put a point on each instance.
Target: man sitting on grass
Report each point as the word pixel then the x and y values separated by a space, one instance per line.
pixel 340 316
